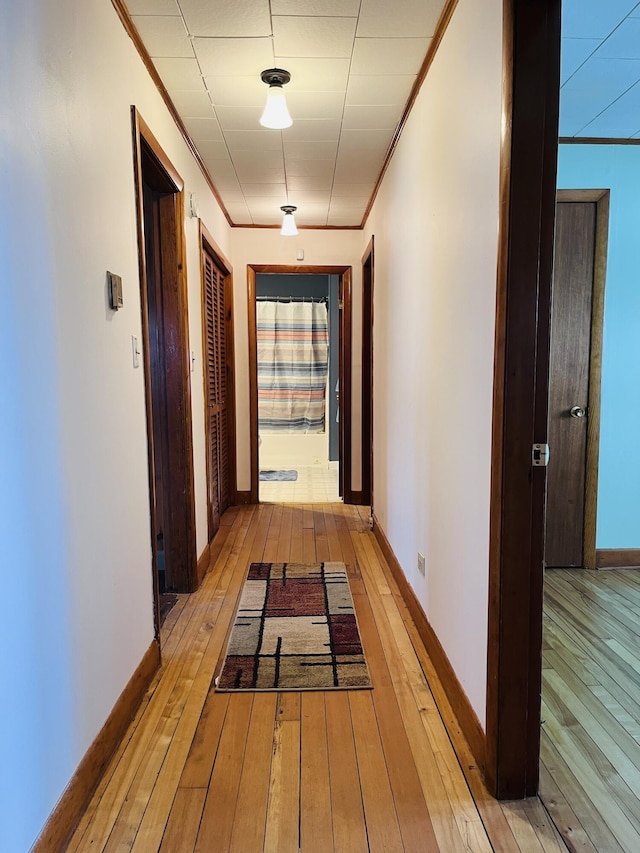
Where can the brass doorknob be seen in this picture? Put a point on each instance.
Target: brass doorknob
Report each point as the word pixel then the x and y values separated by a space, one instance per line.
pixel 577 412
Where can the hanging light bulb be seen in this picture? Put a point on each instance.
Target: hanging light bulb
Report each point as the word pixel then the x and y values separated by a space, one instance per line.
pixel 275 114
pixel 289 228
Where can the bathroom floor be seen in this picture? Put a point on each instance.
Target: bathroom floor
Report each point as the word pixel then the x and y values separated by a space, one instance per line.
pixel 315 484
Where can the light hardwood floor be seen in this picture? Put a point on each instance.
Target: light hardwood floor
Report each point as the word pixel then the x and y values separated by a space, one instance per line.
pixel 319 771
pixel 590 756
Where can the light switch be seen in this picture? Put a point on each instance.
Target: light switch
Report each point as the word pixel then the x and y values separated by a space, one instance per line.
pixel 135 351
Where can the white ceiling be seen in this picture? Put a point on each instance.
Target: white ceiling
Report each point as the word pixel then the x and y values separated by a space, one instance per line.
pixel 353 64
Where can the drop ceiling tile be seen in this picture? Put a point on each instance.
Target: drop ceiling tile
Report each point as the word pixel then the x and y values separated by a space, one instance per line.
pixel 313 37
pixel 180 75
pixel 406 19
pixel 203 129
pixel 193 104
pixel 312 214
pixel 360 191
pixel 599 82
pixel 573 53
pixel 230 91
pixel 223 174
pixel 301 149
pixel 371 118
pixel 315 75
pixel 164 35
pixel 212 150
pixel 624 42
pixel 593 18
pixel 153 7
pixel 306 199
pixel 309 183
pixel 621 119
pixel 310 168
pixel 264 190
pixel 239 213
pixel 341 221
pixel 374 140
pixel 227 18
pixel 266 208
pixel 324 130
pixel 306 105
pixel 251 173
pixel 266 159
pixel 239 118
pixel 253 140
pixel 233 57
pixel 357 171
pixel 374 90
pixel 373 56
pixel 322 8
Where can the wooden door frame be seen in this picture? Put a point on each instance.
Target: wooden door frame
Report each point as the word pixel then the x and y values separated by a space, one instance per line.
pixel 142 135
pixel 367 374
pixel 530 108
pixel 601 199
pixel 208 244
pixel 345 276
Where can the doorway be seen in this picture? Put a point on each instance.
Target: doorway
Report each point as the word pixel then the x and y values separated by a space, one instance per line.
pixel 166 362
pixel 263 282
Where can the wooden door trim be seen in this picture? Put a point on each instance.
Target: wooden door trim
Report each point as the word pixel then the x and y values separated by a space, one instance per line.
pixel 207 242
pixel 367 372
pixel 143 135
pixel 601 199
pixel 531 86
pixel 345 389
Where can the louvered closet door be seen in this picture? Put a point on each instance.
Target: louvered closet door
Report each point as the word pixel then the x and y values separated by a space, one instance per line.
pixel 216 392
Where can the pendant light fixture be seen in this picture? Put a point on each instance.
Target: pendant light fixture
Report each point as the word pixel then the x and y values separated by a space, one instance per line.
pixel 289 228
pixel 276 115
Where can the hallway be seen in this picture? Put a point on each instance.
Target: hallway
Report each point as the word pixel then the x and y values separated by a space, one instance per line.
pixel 360 770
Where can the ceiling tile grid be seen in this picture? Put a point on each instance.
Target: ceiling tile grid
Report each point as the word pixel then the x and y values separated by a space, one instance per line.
pixel 600 69
pixel 353 64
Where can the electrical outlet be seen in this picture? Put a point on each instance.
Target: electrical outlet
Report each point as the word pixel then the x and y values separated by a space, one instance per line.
pixel 421 568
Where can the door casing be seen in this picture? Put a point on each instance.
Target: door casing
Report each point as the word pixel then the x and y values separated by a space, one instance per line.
pixel 180 483
pixel 344 273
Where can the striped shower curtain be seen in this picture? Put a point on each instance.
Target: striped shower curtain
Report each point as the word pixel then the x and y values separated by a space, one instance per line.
pixel 293 353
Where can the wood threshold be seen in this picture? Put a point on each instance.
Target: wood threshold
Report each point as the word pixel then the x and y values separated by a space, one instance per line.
pixel 618 558
pixel 465 715
pixel 65 817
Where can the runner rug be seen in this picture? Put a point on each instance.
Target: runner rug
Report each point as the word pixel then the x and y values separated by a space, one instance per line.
pixel 295 629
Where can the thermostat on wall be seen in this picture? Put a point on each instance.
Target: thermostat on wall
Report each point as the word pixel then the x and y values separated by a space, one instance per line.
pixel 114 285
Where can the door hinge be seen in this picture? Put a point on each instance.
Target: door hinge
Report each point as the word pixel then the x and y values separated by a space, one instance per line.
pixel 340 304
pixel 540 455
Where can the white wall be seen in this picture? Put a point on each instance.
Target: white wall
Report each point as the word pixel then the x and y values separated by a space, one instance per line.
pixel 267 246
pixel 74 499
pixel 435 224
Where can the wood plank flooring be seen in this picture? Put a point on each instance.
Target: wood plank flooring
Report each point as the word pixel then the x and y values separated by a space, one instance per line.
pixel 319 771
pixel 590 752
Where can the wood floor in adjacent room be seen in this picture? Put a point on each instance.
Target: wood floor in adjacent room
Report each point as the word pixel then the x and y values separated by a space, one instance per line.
pixel 318 771
pixel 590 751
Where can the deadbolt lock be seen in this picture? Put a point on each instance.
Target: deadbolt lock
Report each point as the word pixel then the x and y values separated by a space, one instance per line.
pixel 577 412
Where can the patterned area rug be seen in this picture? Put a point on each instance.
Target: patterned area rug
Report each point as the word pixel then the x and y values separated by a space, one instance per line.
pixel 279 476
pixel 295 629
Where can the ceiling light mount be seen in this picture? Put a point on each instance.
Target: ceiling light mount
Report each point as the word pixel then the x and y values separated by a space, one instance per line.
pixel 289 228
pixel 276 115
pixel 275 77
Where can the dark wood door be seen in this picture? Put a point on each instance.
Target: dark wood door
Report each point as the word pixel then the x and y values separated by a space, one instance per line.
pixel 216 388
pixel 569 381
